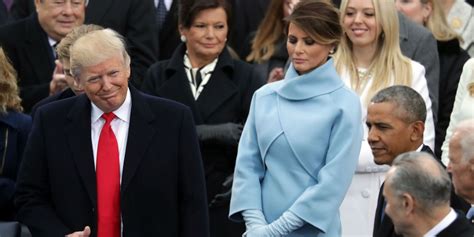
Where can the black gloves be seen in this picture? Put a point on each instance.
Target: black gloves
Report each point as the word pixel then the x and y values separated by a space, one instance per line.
pixel 223 134
pixel 223 198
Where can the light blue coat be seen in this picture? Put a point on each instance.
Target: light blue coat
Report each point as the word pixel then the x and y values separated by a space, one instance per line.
pixel 299 150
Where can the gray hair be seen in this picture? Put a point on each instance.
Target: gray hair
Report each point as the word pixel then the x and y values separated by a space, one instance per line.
pixel 465 130
pixel 96 47
pixel 410 105
pixel 420 175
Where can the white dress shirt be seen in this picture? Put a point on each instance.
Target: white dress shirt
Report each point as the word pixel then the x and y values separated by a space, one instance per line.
pixel 206 72
pixel 445 222
pixel 167 4
pixel 119 125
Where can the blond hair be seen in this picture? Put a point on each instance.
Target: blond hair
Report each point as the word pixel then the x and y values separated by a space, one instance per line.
pixel 9 99
pixel 470 87
pixel 96 47
pixel 63 47
pixel 438 24
pixel 389 66
pixel 270 30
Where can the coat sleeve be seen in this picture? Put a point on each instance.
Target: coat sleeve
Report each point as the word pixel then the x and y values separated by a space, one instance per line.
pixel 193 211
pixel 318 205
pixel 249 171
pixel 33 197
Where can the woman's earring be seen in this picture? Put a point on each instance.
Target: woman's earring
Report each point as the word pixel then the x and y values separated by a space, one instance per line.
pixel 183 38
pixel 331 51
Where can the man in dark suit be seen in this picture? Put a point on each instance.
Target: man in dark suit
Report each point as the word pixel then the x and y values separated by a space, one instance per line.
pixel 29 44
pixel 138 173
pixel 168 34
pixel 461 163
pixel 417 190
pixel 134 19
pixel 395 118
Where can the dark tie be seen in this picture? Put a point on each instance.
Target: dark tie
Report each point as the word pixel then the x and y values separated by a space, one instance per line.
pixel 198 77
pixel 108 181
pixel 160 14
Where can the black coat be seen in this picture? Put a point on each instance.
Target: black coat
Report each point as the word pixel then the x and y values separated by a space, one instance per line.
pixel 225 98
pixel 459 228
pixel 162 186
pixel 27 46
pixel 451 59
pixel 14 130
pixel 59 96
pixel 169 34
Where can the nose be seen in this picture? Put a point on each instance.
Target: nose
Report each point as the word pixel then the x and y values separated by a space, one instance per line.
pixel 372 135
pixel 210 33
pixel 106 83
pixel 299 47
pixel 358 17
pixel 67 8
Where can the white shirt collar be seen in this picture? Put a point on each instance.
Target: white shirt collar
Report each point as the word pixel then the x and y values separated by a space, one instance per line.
pixel 445 222
pixel 419 148
pixel 167 4
pixel 123 112
pixel 51 42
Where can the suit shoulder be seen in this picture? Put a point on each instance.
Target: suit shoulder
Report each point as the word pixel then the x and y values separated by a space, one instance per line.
pixel 163 103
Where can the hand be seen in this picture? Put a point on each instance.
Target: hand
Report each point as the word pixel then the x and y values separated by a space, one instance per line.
pixel 85 233
pixel 276 74
pixel 58 82
pixel 225 133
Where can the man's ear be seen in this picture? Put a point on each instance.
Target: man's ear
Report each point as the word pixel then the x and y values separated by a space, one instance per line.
pixel 417 130
pixel 408 203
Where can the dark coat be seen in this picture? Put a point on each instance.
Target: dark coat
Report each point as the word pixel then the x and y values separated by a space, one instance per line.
pixel 162 186
pixel 14 130
pixel 169 39
pixel 134 19
pixel 27 46
pixel 459 228
pixel 452 59
pixel 59 96
pixel 226 98
pixel 385 228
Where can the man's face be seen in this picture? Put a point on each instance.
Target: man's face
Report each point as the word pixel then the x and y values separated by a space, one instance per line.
pixel 106 83
pixel 395 209
pixel 461 170
pixel 59 17
pixel 389 135
pixel 75 87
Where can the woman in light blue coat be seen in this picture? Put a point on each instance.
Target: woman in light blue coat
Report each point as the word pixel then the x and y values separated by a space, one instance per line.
pixel 300 145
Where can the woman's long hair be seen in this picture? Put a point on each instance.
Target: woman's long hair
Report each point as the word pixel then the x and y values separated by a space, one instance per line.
pixel 9 99
pixel 389 66
pixel 270 30
pixel 438 24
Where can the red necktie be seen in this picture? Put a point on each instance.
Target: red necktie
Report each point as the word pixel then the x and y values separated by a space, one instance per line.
pixel 108 181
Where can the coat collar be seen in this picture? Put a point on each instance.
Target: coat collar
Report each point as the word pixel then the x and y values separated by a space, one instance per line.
pixel 10 119
pixel 321 80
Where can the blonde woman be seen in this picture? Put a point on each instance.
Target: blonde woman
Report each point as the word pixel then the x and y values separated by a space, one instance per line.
pixel 452 57
pixel 14 129
pixel 463 105
pixel 369 59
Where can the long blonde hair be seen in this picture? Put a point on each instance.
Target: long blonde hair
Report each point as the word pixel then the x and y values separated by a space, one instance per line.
pixel 270 30
pixel 389 66
pixel 9 99
pixel 438 24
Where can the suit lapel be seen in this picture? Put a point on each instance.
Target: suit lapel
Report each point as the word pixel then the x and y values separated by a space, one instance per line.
pixel 96 10
pixel 78 136
pixel 39 47
pixel 219 88
pixel 140 133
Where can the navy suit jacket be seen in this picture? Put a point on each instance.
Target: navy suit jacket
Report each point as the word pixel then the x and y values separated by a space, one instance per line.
pixel 162 187
pixel 459 228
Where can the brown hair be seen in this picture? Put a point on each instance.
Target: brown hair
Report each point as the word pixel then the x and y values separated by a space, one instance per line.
pixel 319 19
pixel 9 99
pixel 270 30
pixel 189 9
